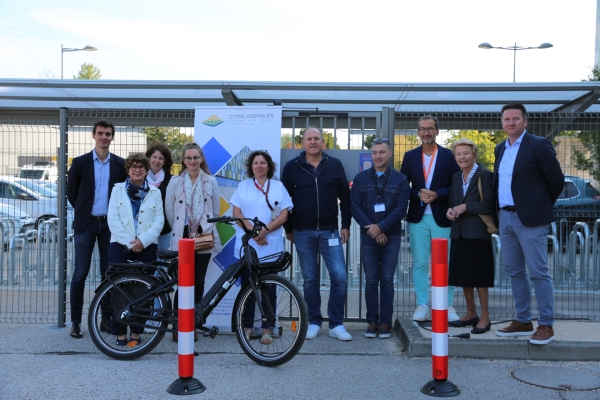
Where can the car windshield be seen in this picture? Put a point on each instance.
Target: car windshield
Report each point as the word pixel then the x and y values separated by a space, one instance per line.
pixel 37 188
pixel 32 173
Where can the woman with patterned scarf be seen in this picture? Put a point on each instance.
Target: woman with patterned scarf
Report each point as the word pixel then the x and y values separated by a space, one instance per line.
pixel 135 219
pixel 192 198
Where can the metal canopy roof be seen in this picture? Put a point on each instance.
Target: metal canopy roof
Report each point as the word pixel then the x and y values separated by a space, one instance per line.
pixel 37 95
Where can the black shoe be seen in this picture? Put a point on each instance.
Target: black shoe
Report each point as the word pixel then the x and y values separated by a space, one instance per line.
pixel 461 324
pixel 105 326
pixel 478 331
pixel 76 330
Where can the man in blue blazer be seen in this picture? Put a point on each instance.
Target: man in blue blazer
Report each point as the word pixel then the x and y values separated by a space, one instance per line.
pixel 90 182
pixel 528 180
pixel 429 169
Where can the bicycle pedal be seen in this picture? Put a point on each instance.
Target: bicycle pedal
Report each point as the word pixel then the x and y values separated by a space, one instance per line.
pixel 213 332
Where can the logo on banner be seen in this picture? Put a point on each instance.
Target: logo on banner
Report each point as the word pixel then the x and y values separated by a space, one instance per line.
pixel 213 121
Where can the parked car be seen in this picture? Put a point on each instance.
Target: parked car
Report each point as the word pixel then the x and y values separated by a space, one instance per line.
pixel 579 201
pixel 14 221
pixel 28 195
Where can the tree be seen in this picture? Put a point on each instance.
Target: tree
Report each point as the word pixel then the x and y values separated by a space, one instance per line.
pixel 369 141
pixel 402 144
pixel 594 74
pixel 588 158
pixel 173 138
pixel 88 71
pixel 485 141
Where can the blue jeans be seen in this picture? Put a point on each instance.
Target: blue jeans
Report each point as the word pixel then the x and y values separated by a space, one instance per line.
pixel 84 247
pixel 308 245
pixel 379 265
pixel 525 246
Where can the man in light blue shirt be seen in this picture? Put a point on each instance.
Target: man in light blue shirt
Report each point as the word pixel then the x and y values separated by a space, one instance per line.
pixel 528 180
pixel 90 182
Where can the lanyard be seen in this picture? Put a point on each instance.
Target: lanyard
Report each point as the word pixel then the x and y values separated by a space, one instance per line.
pixel 426 173
pixel 265 193
pixel 376 179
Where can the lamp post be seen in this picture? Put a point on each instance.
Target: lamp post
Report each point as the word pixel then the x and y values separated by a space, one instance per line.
pixel 514 49
pixel 65 49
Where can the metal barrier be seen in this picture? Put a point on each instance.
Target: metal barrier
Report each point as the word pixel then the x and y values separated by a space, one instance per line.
pixel 31 273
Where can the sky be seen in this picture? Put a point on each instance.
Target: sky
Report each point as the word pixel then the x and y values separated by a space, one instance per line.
pixel 309 40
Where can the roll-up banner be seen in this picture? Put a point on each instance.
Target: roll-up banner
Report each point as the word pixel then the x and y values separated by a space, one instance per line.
pixel 227 136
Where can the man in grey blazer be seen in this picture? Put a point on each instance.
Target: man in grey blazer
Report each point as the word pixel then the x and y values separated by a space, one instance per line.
pixel 89 184
pixel 528 180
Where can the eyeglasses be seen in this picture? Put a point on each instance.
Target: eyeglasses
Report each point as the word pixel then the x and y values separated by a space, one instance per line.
pixel 380 140
pixel 430 129
pixel 190 159
pixel 137 167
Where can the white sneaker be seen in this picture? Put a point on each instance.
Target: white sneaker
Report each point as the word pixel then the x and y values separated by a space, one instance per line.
pixel 452 315
pixel 339 332
pixel 313 331
pixel 421 313
pixel 153 323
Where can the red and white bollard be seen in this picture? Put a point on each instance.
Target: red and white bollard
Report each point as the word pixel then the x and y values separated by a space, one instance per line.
pixel 439 386
pixel 186 384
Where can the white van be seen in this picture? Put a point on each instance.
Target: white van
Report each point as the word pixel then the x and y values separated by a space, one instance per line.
pixel 44 170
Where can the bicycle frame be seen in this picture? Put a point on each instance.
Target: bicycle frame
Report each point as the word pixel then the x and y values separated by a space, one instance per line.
pixel 256 267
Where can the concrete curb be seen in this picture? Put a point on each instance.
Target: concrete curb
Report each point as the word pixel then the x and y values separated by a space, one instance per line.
pixel 416 345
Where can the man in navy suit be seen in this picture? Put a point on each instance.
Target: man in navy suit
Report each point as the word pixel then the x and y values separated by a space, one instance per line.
pixel 429 169
pixel 90 182
pixel 528 180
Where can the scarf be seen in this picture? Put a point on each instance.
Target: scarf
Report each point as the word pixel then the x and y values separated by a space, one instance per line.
pixel 465 185
pixel 194 201
pixel 136 195
pixel 155 180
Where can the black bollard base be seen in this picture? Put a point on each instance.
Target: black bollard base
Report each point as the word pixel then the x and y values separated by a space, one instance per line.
pixel 185 386
pixel 440 388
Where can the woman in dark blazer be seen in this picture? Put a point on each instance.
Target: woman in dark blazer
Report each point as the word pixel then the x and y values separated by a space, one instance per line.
pixel 471 256
pixel 159 175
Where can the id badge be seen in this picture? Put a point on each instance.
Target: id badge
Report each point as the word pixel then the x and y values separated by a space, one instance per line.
pixel 379 207
pixel 334 242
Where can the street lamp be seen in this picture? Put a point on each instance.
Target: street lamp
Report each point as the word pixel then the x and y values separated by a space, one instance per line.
pixel 514 49
pixel 65 49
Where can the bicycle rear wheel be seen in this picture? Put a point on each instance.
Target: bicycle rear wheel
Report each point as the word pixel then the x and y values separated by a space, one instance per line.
pixel 104 331
pixel 287 325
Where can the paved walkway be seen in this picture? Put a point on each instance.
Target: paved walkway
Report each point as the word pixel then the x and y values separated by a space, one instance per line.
pixel 576 340
pixel 44 362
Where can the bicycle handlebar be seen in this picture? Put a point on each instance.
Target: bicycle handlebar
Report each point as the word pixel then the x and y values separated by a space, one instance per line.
pixel 232 220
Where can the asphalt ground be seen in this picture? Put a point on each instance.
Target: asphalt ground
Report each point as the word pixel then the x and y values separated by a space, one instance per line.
pixel 44 362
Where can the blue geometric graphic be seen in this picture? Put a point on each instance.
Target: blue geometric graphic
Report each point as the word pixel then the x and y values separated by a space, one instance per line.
pixel 225 258
pixel 215 154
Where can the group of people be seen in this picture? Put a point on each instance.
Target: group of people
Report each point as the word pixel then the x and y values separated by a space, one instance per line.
pixel 131 207
pixel 442 193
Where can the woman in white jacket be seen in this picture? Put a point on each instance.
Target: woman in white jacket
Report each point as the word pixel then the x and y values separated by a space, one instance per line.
pixel 192 198
pixel 135 219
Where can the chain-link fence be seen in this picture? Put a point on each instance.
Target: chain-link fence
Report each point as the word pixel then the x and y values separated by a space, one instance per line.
pixel 37 261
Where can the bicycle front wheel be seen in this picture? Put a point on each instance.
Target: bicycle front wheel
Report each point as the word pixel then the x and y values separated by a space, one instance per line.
pixel 104 318
pixel 276 337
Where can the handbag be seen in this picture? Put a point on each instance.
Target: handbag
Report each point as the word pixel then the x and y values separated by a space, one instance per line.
pixel 487 219
pixel 206 241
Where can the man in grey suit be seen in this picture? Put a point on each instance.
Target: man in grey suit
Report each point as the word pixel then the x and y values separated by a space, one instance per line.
pixel 528 180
